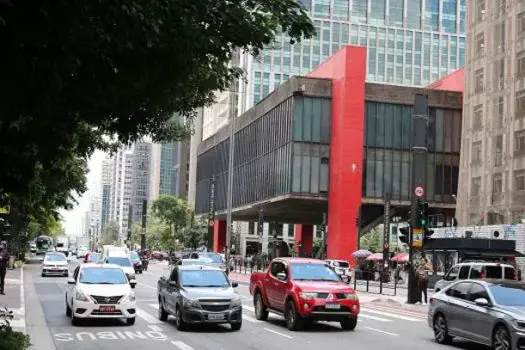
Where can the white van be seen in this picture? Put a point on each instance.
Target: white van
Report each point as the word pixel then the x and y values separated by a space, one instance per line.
pixel 120 256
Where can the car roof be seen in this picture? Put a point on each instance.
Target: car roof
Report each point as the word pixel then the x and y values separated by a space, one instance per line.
pixel 504 283
pixel 55 253
pixel 296 260
pixel 492 263
pixel 198 267
pixel 101 266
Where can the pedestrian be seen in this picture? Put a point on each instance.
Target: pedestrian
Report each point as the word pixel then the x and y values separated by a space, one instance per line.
pixel 3 267
pixel 422 278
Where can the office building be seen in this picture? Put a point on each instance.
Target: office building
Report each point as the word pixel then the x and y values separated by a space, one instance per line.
pixel 122 188
pixel 492 171
pixel 106 180
pixel 141 178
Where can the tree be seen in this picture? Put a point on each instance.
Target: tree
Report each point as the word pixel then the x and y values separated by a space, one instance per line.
pixel 46 225
pixel 110 234
pixel 195 234
pixel 372 241
pixel 77 72
pixel 174 212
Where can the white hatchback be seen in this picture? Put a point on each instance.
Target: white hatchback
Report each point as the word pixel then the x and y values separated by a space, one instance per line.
pixel 55 264
pixel 100 291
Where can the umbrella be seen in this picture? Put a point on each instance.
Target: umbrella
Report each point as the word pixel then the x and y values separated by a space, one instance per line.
pixel 361 253
pixel 375 257
pixel 400 258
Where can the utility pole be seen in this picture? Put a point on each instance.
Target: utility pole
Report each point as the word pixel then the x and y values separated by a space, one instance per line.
pixel 144 219
pixel 130 224
pixel 229 199
pixel 419 167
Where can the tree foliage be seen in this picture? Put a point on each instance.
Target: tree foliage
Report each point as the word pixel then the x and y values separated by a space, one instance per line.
pixel 372 241
pixel 47 225
pixel 110 234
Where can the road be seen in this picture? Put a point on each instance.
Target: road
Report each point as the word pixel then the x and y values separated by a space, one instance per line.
pixel 379 327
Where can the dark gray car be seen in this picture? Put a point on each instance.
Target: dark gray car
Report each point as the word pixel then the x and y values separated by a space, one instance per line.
pixel 196 294
pixel 489 312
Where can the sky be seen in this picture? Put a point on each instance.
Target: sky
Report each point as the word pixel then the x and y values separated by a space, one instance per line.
pixel 72 219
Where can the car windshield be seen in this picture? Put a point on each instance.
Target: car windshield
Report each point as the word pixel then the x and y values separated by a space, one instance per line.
pixel 195 261
pixel 215 258
pixel 99 275
pixel 134 256
pixel 121 261
pixel 55 257
pixel 341 264
pixel 312 272
pixel 203 278
pixel 508 295
pixel 93 257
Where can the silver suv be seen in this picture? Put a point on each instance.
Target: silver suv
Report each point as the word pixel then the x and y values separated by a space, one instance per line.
pixel 477 270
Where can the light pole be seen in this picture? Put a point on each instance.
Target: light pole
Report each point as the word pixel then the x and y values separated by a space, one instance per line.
pixel 229 198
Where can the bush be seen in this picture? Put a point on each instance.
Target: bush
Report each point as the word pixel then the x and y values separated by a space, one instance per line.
pixel 11 340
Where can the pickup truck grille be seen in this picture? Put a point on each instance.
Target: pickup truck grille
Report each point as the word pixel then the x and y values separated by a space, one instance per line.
pixel 227 301
pixel 215 308
pixel 322 309
pixel 107 300
pixel 325 295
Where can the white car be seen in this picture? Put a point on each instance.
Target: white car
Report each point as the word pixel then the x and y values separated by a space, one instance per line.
pixel 125 264
pixel 100 291
pixel 55 264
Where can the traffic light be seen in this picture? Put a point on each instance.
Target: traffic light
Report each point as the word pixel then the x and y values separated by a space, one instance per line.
pixel 404 233
pixel 423 220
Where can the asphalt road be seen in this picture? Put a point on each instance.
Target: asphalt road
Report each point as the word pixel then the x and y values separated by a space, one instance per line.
pixel 379 327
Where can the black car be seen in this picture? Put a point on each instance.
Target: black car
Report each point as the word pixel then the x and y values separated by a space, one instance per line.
pixel 136 261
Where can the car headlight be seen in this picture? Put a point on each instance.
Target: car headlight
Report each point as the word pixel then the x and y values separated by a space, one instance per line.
pixel 236 302
pixel 80 296
pixel 130 298
pixel 192 303
pixel 308 295
pixel 351 296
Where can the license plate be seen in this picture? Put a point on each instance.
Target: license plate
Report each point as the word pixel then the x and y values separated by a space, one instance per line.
pixel 332 306
pixel 215 317
pixel 106 308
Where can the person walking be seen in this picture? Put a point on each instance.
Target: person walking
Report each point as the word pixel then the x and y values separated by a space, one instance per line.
pixel 422 278
pixel 3 267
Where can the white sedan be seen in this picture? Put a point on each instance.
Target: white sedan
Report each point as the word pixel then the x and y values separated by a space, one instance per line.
pixel 55 264
pixel 100 291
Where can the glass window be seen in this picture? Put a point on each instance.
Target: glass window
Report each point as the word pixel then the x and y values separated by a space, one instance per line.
pixel 322 8
pixel 508 295
pixel 326 106
pixel 313 272
pixel 298 119
pixel 203 278
pixel 341 10
pixel 477 291
pixel 315 176
pixel 121 261
pixel 475 272
pixel 395 14
pixel 463 272
pixel 305 174
pixel 459 291
pixel 432 15
pixel 413 14
pixel 492 271
pixel 307 119
pixel 323 176
pixel 449 16
pixel 359 11
pixel 509 273
pixel 316 119
pixel 55 257
pixel 99 275
pixel 377 12
pixel 296 180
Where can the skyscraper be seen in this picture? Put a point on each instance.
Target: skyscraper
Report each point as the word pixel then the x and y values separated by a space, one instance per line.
pixel 492 169
pixel 409 42
pixel 141 177
pixel 106 181
pixel 122 188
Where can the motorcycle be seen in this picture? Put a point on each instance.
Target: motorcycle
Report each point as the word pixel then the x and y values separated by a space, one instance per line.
pixel 145 262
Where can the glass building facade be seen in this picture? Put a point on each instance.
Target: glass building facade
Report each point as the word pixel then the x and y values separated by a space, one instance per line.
pixel 168 174
pixel 409 42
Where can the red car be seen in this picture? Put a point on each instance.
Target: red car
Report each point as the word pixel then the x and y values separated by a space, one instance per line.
pixel 303 290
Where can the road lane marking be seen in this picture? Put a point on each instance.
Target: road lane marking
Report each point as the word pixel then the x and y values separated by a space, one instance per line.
pixel 250 319
pixel 248 308
pixel 146 285
pixel 181 345
pixel 401 317
pixel 278 333
pixel 155 306
pixel 370 317
pixel 147 317
pixel 411 313
pixel 381 331
pixel 155 328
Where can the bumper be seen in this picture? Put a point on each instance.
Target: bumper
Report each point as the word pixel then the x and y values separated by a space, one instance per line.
pixel 59 271
pixel 91 310
pixel 199 316
pixel 317 310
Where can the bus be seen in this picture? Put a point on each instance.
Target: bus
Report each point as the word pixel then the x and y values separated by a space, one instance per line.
pixel 44 244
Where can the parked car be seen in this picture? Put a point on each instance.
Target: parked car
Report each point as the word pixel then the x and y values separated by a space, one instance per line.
pixel 199 294
pixel 100 291
pixel 55 264
pixel 302 289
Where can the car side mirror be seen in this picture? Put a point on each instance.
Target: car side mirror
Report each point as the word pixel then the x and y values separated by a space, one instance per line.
pixel 281 276
pixel 235 284
pixel 482 302
pixel 71 281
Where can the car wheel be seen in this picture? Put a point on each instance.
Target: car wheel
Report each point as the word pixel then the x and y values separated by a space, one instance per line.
pixel 349 324
pixel 43 274
pixel 441 330
pixel 130 321
pixel 163 315
pixel 501 338
pixel 179 321
pixel 261 312
pixel 236 326
pixel 68 309
pixel 293 320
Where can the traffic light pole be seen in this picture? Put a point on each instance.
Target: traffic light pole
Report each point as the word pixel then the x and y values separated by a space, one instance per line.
pixel 419 166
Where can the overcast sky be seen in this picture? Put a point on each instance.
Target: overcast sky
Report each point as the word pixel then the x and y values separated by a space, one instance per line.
pixel 72 219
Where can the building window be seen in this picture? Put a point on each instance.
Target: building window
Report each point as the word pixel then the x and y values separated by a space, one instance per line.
pixel 520 63
pixel 480 44
pixel 499 74
pixel 477 117
pixel 480 10
pixel 478 80
pixel 519 180
pixel 498 150
pixel 477 150
pixel 497 187
pixel 521 22
pixel 475 187
pixel 519 143
pixel 499 36
pixel 520 104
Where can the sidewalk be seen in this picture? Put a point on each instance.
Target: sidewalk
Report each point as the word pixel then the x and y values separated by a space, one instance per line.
pixel 14 298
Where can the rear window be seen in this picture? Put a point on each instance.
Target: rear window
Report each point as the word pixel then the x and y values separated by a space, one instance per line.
pixel 341 264
pixel 492 271
pixel 510 273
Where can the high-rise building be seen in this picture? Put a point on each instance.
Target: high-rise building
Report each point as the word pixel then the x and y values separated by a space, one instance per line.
pixel 492 168
pixel 196 138
pixel 122 188
pixel 106 181
pixel 409 42
pixel 141 177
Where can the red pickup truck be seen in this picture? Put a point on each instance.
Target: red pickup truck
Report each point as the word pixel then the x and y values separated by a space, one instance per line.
pixel 303 290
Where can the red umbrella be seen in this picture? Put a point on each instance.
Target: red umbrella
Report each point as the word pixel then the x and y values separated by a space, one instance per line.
pixel 400 258
pixel 375 257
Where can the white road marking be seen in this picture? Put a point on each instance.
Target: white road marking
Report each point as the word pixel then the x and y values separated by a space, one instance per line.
pixel 181 345
pixel 401 317
pixel 146 285
pixel 381 331
pixel 278 333
pixel 380 319
pixel 147 317
pixel 22 300
pixel 155 328
pixel 248 308
pixel 155 306
pixel 250 319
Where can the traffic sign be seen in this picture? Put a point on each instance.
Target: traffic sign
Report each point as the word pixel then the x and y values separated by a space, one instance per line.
pixel 417 238
pixel 419 191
